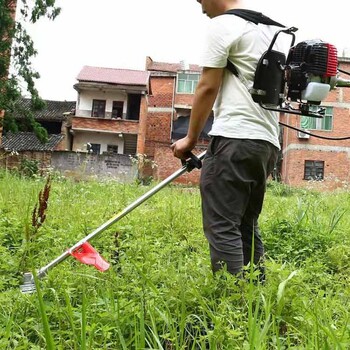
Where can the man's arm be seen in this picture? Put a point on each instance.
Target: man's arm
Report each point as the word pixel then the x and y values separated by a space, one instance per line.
pixel 204 98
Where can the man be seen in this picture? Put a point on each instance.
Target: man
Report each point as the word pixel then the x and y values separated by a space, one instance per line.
pixel 244 137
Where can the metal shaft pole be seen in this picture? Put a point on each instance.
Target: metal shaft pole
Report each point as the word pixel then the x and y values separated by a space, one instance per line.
pixel 42 271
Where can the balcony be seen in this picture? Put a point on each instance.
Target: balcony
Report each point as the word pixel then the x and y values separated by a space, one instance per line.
pixel 107 125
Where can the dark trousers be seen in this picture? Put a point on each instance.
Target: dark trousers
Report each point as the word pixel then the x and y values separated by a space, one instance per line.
pixel 233 184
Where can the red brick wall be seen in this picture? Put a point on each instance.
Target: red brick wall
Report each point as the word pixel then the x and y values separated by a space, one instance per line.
pixel 167 164
pixel 335 153
pixel 63 145
pixel 336 171
pixel 344 93
pixel 158 134
pixel 158 131
pixel 141 139
pixel 184 99
pixel 341 129
pixel 116 125
pixel 13 161
pixel 162 92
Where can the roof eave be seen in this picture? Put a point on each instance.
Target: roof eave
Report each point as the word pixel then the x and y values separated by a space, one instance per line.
pixel 93 85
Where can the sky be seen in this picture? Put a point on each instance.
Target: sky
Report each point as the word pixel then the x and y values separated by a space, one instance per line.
pixel 121 33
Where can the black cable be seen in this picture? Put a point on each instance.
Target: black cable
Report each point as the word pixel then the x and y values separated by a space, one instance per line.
pixel 343 71
pixel 318 136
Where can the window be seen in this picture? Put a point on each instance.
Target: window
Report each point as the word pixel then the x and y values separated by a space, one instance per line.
pixel 312 123
pixel 117 109
pixel 133 108
pixel 98 108
pixel 314 170
pixel 94 148
pixel 187 83
pixel 130 144
pixel 112 149
pixel 180 128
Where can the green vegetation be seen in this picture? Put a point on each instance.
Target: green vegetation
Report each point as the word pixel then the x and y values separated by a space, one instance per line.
pixel 17 76
pixel 159 292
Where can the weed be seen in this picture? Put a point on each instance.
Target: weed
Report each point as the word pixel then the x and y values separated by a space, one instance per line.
pixel 29 167
pixel 39 211
pixel 160 293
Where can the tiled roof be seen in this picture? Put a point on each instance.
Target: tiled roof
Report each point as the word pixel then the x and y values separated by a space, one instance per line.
pixel 113 76
pixel 27 141
pixel 53 110
pixel 171 67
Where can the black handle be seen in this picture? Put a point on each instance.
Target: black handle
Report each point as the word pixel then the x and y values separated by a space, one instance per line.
pixel 191 162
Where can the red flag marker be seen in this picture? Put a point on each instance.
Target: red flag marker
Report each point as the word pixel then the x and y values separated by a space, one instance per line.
pixel 87 254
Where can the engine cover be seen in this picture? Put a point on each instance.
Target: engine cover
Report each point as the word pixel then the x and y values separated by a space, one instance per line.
pixel 312 61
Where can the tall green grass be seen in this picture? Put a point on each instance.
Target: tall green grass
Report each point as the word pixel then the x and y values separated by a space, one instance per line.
pixel 159 292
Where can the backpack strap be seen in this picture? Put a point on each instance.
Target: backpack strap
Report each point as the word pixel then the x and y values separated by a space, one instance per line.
pixel 254 17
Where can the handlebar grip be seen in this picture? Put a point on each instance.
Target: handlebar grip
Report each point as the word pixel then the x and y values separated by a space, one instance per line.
pixel 191 162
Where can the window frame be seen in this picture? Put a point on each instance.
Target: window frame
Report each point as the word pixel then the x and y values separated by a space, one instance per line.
pixel 314 170
pixel 184 85
pixel 94 148
pixel 98 109
pixel 117 109
pixel 114 151
pixel 320 124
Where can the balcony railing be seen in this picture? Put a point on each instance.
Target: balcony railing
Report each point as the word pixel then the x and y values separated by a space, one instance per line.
pixel 105 125
pixel 107 115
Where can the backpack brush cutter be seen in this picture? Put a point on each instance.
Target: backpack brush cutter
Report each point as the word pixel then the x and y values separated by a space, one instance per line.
pixel 304 78
pixel 84 252
pixel 298 83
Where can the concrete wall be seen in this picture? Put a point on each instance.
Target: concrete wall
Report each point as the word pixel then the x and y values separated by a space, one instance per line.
pixel 117 166
pixel 80 166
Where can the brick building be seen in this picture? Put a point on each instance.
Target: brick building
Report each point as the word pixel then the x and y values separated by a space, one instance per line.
pixel 304 161
pixel 319 162
pixel 169 107
pixel 134 112
pixel 128 112
pixel 111 111
pixel 143 112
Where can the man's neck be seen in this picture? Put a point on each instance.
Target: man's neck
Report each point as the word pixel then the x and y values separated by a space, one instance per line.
pixel 224 5
pixel 233 4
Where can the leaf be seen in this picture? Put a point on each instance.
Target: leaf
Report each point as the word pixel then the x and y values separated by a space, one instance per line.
pixel 282 286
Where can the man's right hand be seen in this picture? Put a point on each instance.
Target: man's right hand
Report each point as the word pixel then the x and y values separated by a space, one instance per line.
pixel 181 148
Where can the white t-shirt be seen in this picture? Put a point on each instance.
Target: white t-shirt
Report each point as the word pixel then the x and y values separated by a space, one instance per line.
pixel 236 115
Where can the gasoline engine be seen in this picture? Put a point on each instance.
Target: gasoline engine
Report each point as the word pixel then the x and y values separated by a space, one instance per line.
pixel 299 83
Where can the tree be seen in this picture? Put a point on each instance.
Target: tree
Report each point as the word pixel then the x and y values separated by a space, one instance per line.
pixel 16 51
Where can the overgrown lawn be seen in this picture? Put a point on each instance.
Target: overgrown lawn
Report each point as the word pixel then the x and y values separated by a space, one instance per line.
pixel 159 292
